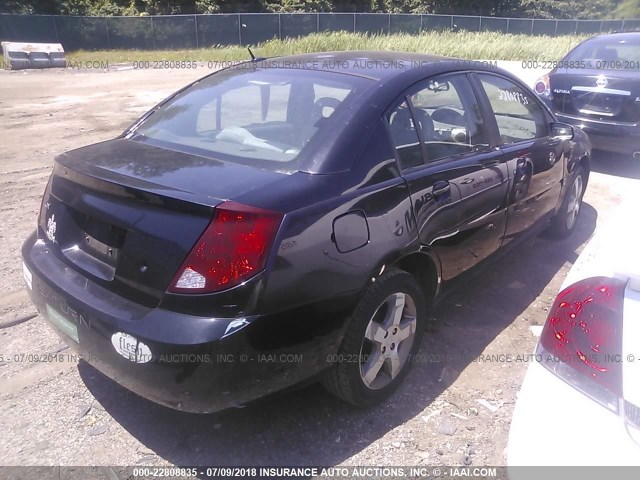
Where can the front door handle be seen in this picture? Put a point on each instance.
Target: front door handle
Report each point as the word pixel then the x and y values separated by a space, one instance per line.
pixel 490 163
pixel 441 189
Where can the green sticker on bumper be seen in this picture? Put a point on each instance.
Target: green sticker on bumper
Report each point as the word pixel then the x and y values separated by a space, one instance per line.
pixel 63 323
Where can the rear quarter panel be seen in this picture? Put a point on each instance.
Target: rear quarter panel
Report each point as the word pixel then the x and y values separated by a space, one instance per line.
pixel 306 264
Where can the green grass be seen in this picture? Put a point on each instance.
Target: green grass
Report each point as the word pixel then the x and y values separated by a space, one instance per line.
pixel 467 45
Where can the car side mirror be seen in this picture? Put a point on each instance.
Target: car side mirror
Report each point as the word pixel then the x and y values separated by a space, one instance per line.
pixel 561 131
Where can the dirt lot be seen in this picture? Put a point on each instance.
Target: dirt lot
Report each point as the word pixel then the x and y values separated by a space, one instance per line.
pixel 62 413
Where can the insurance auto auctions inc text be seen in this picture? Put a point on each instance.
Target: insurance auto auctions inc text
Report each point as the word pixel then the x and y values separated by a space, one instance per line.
pixel 345 473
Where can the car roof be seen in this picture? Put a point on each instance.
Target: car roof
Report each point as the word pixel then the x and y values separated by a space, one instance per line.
pixel 391 74
pixel 616 36
pixel 376 65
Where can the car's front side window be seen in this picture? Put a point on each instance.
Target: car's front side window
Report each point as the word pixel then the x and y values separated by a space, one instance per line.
pixel 518 113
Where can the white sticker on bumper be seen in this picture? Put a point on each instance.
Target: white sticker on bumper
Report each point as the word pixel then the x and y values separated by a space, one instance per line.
pixel 131 348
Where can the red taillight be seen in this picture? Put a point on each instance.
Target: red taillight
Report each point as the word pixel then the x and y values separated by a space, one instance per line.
pixel 542 86
pixel 233 248
pixel 583 337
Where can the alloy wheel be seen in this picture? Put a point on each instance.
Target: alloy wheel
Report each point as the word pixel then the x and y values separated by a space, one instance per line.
pixel 388 340
pixel 575 201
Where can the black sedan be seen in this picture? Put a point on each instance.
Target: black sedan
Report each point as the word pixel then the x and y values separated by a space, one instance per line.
pixel 294 218
pixel 597 88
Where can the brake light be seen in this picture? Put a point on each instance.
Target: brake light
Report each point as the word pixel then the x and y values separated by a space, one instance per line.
pixel 581 341
pixel 542 87
pixel 232 249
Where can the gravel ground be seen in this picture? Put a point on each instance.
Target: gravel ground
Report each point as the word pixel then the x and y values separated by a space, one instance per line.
pixel 453 409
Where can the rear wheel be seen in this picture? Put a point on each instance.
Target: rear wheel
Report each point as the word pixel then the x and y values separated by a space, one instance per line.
pixel 383 335
pixel 567 217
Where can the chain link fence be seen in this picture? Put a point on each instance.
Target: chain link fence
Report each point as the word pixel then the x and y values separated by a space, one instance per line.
pixel 171 32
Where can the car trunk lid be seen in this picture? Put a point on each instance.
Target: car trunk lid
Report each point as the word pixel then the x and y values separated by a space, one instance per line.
pixel 127 214
pixel 592 94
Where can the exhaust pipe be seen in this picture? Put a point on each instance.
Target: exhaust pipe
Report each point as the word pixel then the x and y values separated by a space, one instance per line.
pixel 636 155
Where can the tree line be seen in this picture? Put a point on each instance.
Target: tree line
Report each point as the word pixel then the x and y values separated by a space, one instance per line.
pixel 558 9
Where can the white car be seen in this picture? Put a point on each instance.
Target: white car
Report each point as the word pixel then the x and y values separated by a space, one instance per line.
pixel 580 400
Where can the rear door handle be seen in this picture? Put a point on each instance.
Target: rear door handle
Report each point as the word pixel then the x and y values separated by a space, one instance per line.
pixel 441 189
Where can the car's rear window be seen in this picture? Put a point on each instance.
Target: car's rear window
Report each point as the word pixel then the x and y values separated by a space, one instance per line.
pixel 259 117
pixel 608 53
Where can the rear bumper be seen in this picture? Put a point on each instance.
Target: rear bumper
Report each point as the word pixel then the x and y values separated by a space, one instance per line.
pixel 554 424
pixel 194 364
pixel 619 138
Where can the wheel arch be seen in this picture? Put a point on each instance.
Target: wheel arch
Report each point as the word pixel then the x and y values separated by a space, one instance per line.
pixel 425 269
pixel 583 160
pixel 585 163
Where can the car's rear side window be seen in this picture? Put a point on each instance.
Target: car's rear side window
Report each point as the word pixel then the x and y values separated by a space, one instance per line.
pixel 404 137
pixel 445 110
pixel 258 117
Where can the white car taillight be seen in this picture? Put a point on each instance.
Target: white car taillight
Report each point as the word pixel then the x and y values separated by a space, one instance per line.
pixel 581 341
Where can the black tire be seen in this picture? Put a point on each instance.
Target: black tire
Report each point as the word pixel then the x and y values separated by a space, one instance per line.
pixel 561 225
pixel 344 379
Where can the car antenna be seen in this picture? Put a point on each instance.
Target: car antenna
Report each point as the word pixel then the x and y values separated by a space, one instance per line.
pixel 254 59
